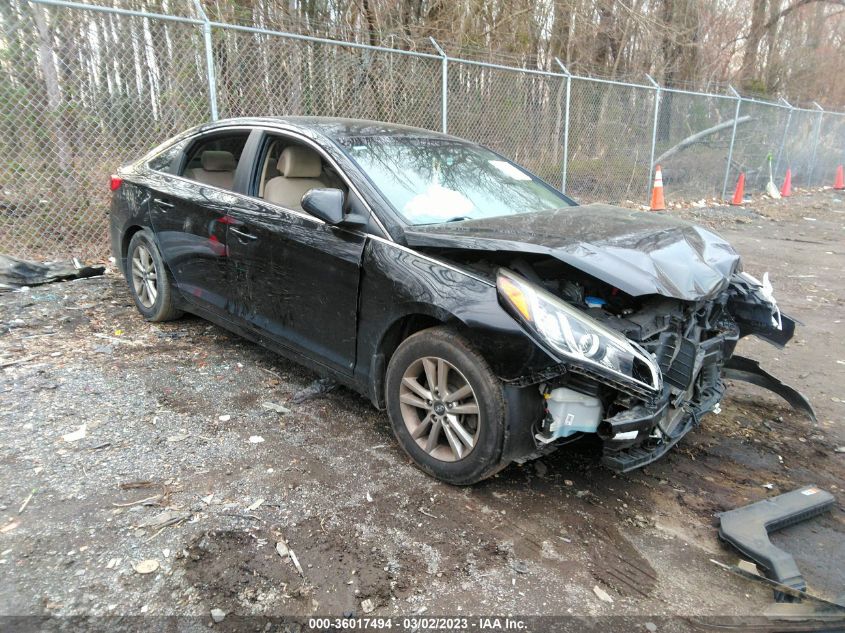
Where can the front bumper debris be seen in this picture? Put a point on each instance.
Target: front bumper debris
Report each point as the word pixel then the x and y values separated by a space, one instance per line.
pixel 747 370
pixel 747 529
pixel 669 426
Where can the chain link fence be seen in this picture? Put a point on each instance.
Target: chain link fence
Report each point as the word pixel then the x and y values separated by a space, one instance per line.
pixel 86 88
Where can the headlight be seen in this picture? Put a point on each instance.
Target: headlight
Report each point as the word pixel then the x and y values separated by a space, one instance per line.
pixel 575 335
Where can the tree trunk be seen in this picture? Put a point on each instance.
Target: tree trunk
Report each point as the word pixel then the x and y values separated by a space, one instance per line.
pixel 54 92
pixel 752 44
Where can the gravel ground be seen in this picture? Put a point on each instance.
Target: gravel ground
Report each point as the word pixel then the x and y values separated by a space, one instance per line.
pixel 125 442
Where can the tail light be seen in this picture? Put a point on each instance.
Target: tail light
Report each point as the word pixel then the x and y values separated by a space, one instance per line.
pixel 115 182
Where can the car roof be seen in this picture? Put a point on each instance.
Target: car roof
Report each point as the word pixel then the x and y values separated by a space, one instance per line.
pixel 336 128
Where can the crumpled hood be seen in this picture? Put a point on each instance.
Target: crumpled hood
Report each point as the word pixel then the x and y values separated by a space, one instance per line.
pixel 638 252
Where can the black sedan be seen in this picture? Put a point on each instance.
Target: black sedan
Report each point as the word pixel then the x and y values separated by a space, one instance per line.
pixel 493 317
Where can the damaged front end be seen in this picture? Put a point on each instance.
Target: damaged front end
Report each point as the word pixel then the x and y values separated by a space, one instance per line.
pixel 639 372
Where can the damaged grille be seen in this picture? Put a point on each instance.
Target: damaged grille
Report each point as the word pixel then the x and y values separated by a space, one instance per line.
pixel 677 362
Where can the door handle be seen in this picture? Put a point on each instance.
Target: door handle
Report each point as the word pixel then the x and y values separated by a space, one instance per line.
pixel 242 234
pixel 163 203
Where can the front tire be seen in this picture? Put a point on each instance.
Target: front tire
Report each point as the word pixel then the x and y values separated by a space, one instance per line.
pixel 446 407
pixel 149 280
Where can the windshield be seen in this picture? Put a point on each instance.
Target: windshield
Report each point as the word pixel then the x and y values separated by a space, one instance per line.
pixel 431 180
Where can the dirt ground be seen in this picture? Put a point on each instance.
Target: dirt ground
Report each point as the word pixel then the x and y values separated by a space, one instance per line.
pixel 186 461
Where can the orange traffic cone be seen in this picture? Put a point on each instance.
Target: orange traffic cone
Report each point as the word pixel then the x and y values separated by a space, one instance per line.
pixel 657 201
pixel 840 179
pixel 739 194
pixel 786 190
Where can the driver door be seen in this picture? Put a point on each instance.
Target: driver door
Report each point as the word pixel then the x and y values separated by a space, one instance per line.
pixel 296 277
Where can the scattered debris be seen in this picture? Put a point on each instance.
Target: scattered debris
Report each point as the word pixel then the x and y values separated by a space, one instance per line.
pixel 178 437
pixel 114 562
pixel 16 273
pixel 747 530
pixel 748 370
pixel 9 527
pixel 319 387
pixel 255 439
pixel 149 501
pixel 282 549
pixel 146 566
pixel 651 627
pixel 224 418
pixel 255 505
pixel 769 486
pixel 748 566
pixel 602 594
pixel 146 501
pixel 779 588
pixel 295 562
pixel 369 497
pixel 218 615
pixel 278 408
pixel 367 605
pixel 164 519
pixel 26 502
pixel 519 567
pixel 839 449
pixel 76 435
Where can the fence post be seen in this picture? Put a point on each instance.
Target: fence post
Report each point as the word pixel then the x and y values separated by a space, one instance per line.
pixel 444 87
pixel 785 132
pixel 812 165
pixel 565 127
pixel 731 146
pixel 209 60
pixel 653 130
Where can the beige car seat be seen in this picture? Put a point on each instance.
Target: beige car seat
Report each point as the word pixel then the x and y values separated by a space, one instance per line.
pixel 218 169
pixel 301 170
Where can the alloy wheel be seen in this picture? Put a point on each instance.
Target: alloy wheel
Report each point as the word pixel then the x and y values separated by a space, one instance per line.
pixel 144 277
pixel 440 409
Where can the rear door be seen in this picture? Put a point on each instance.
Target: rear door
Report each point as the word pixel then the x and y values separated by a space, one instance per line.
pixel 297 277
pixel 190 216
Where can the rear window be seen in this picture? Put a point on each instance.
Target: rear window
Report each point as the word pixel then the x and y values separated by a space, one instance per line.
pixel 232 143
pixel 213 161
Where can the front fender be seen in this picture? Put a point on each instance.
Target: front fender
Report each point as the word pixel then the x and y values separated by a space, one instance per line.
pixel 397 282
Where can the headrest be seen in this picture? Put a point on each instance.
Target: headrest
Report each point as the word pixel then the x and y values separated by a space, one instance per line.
pixel 300 162
pixel 215 160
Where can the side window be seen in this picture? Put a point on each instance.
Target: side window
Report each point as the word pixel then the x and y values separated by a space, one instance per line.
pixel 213 161
pixel 164 160
pixel 288 169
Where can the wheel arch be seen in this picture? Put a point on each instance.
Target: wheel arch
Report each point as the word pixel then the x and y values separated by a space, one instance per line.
pixel 422 318
pixel 125 238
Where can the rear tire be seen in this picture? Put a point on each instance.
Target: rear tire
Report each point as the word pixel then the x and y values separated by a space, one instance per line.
pixel 149 280
pixel 446 407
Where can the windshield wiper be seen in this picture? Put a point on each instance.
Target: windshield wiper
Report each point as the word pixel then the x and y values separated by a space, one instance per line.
pixel 458 218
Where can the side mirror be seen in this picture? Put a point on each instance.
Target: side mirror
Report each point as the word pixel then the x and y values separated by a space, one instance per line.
pixel 326 204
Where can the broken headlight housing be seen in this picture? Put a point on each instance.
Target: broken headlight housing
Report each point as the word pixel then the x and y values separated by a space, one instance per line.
pixel 570 333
